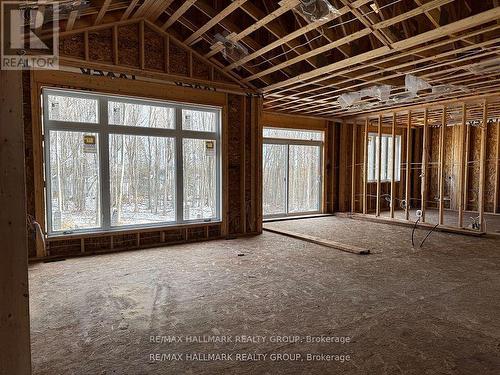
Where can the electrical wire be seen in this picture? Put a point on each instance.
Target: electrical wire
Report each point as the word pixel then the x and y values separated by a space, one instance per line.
pixel 428 234
pixel 269 60
pixel 413 232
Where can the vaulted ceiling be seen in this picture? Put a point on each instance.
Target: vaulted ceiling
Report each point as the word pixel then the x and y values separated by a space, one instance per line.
pixel 302 66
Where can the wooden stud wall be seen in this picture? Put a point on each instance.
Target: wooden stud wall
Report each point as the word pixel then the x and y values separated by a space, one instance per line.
pixel 449 161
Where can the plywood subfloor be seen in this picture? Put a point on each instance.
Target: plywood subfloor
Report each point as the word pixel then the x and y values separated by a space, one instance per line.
pixel 432 311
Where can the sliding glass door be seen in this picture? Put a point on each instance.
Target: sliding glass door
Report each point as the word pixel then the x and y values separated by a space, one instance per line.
pixel 292 172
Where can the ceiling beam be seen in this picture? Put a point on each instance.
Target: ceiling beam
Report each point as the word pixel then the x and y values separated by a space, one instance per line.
pixel 178 13
pixel 467 23
pixel 219 17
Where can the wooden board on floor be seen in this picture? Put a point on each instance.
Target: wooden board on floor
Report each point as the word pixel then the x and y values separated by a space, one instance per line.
pixel 320 241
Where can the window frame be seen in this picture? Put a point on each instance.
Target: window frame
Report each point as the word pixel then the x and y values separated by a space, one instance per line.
pixel 372 169
pixel 299 142
pixel 103 128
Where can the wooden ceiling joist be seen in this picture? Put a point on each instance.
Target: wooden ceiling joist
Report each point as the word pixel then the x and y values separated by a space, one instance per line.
pixel 220 16
pixel 467 23
pixel 302 66
pixel 178 13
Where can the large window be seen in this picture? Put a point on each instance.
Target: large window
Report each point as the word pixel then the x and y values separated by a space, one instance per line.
pixel 292 165
pixel 113 162
pixel 385 157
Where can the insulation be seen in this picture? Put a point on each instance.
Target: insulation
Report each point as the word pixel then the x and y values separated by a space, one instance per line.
pixel 316 10
pixel 128 45
pixel 381 92
pixel 348 99
pixel 232 51
pixel 414 84
pixel 154 50
pixel 101 45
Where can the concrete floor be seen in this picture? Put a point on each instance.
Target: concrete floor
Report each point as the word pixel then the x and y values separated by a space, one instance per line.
pixel 427 311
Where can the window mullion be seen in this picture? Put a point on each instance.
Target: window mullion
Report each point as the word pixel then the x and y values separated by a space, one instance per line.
pixel 179 173
pixel 104 164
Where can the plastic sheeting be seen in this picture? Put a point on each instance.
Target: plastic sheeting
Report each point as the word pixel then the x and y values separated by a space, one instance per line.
pixel 347 100
pixel 414 84
pixel 232 51
pixel 316 10
pixel 381 92
pixel 446 89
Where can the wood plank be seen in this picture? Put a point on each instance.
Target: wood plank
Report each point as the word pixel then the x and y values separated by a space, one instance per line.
pixel 323 49
pixel 466 166
pixel 214 21
pixel 71 20
pixel 497 168
pixel 441 166
pixel 353 167
pixel 425 155
pixel 411 13
pixel 129 10
pixel 14 307
pixel 102 12
pixel 462 168
pixel 178 13
pixel 375 73
pixel 393 163
pixel 295 34
pixel 408 167
pixel 365 166
pixel 260 21
pixel 379 168
pixel 466 23
pixel 342 175
pixel 482 165
pixel 319 241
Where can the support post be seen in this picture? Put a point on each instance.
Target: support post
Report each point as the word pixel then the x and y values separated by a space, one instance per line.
pixel 425 154
pixel 466 164
pixel 15 356
pixel 408 168
pixel 353 168
pixel 393 163
pixel 462 167
pixel 482 166
pixel 441 167
pixel 365 167
pixel 497 165
pixel 379 167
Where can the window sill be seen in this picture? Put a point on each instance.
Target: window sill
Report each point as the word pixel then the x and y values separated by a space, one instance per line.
pixel 127 230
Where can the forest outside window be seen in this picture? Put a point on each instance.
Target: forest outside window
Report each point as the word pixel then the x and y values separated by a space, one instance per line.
pixel 292 172
pixel 114 162
pixel 385 157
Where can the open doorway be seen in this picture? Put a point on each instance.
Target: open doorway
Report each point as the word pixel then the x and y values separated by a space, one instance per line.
pixel 292 172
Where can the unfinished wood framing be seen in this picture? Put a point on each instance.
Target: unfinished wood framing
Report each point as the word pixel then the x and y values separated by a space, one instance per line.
pixel 393 165
pixel 447 144
pixel 278 63
pixel 14 309
pixel 441 167
pixel 379 164
pixel 482 164
pixel 425 155
pixel 365 166
pixel 353 167
pixel 408 167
